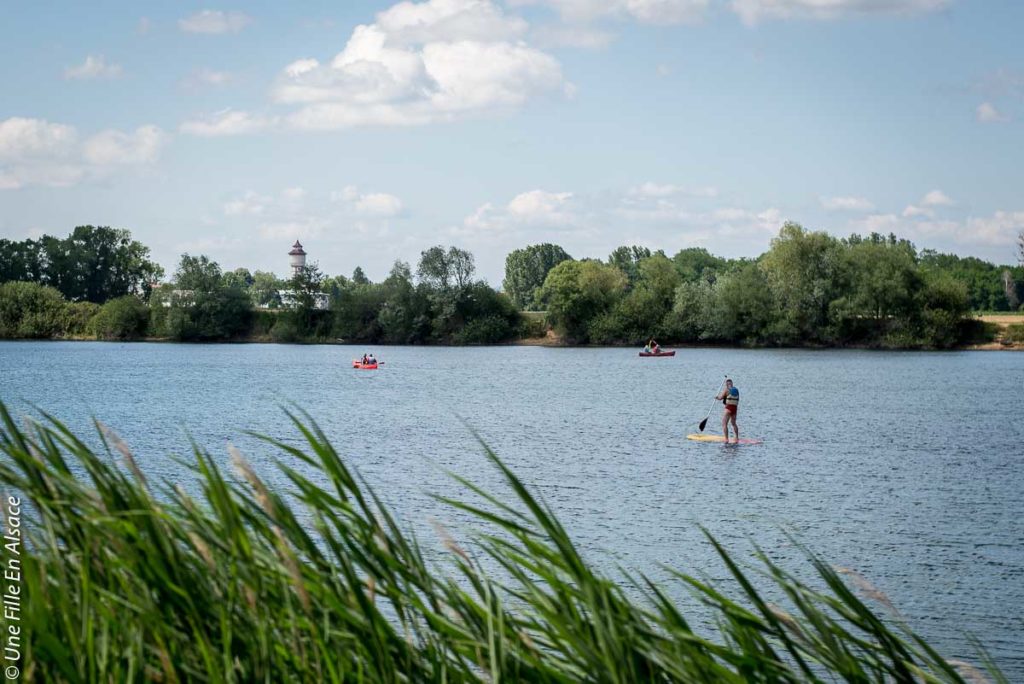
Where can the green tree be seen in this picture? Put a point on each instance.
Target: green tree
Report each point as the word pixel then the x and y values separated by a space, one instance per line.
pixel 986 287
pixel 359 278
pixel 692 311
pixel 30 311
pixel 526 269
pixel 306 284
pixel 445 269
pixel 200 305
pixel 883 277
pixel 240 278
pixel 265 290
pixel 95 264
pixel 696 263
pixel 576 292
pixel 640 314
pixel 804 273
pixel 21 261
pixel 627 260
pixel 123 318
pixel 404 316
pixel 742 309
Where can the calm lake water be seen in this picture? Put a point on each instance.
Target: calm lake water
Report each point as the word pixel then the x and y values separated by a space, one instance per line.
pixel 904 466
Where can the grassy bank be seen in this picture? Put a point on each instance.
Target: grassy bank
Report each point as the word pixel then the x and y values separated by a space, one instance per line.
pixel 128 579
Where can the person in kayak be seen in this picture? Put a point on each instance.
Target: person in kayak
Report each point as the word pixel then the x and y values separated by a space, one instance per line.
pixel 652 347
pixel 730 396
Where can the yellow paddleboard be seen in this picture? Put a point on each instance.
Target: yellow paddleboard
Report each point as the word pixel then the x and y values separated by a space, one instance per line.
pixel 720 439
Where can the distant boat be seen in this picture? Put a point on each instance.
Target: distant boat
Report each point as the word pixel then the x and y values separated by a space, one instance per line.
pixel 658 353
pixel 356 363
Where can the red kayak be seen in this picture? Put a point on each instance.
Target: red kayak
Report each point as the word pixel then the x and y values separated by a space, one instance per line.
pixel 364 366
pixel 659 353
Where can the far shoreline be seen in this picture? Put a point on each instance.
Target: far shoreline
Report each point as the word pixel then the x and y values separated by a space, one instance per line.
pixel 550 342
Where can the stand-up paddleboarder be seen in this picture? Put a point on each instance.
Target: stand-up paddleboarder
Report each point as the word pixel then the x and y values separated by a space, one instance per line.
pixel 730 396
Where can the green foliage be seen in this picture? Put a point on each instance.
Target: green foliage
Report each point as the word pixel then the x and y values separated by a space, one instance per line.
pixel 526 269
pixel 743 308
pixel 124 318
pixel 696 264
pixel 943 306
pixel 199 305
pixel 989 287
pixel 692 311
pixel 1014 333
pixel 320 582
pixel 31 311
pixel 445 269
pixel 575 292
pixel 627 260
pixel 92 264
pixel 639 314
pixel 306 283
pixel 76 317
pixel 359 278
pixel 804 271
pixel 265 290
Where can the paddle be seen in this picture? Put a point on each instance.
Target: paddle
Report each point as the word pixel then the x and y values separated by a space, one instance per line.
pixel 704 422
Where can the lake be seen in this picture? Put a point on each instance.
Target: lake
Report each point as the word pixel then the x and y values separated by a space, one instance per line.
pixel 904 466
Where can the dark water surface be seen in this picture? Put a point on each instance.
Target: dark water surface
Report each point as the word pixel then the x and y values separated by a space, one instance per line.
pixel 904 466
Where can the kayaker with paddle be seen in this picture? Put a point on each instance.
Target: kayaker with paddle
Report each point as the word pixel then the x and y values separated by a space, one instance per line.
pixel 730 396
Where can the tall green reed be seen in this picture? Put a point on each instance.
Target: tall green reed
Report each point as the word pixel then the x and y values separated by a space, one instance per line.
pixel 127 580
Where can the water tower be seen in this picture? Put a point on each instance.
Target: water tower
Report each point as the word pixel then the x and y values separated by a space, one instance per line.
pixel 297 258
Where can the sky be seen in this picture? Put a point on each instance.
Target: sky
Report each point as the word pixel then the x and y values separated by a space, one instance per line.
pixel 371 131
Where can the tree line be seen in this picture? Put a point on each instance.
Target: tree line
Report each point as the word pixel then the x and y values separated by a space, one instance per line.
pixel 809 288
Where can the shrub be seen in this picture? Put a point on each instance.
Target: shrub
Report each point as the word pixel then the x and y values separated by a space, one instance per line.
pixel 124 318
pixel 1014 334
pixel 76 317
pixel 31 311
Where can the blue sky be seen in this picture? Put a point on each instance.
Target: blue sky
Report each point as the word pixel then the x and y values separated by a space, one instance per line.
pixel 371 131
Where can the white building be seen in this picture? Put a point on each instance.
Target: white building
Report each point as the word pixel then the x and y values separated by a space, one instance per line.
pixel 297 258
pixel 297 261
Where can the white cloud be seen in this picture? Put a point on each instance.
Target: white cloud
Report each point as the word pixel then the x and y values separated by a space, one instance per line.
pixel 249 204
pixel 22 139
pixel 144 26
pixel 936 198
pixel 650 189
pixel 410 23
pixel 420 63
pixel 373 204
pixel 987 113
pixel 848 203
pixel 214 22
pixel 754 11
pixel 227 122
pixel 94 67
pixel 37 152
pixel 912 210
pixel 999 229
pixel 645 11
pixel 574 36
pixel 301 229
pixel 206 77
pixel 110 148
pixel 295 194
